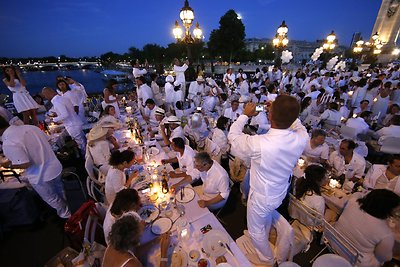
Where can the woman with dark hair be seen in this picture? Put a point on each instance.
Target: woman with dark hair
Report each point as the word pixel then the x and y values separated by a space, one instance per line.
pixel 124 238
pixel 305 108
pixel 364 223
pixel 72 95
pixel 308 187
pixel 115 180
pixel 23 101
pixel 126 200
pixel 110 96
pixel 108 118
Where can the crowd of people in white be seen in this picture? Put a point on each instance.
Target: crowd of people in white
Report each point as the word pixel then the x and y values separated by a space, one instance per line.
pixel 260 125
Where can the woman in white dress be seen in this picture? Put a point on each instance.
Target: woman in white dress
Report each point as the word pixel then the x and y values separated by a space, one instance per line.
pixel 74 97
pixel 23 101
pixel 110 96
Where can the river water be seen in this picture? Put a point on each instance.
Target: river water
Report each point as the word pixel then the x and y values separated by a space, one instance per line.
pixel 36 80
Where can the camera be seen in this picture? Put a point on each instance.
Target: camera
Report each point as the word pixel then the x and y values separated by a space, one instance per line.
pixel 259 108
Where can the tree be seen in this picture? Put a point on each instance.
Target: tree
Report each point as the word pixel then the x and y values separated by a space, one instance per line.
pixel 110 57
pixel 228 39
pixel 153 53
pixel 174 50
pixel 135 53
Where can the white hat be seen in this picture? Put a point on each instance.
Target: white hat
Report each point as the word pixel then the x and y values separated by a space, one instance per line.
pixel 169 79
pixel 173 120
pixel 244 99
pixel 355 79
pixel 159 111
pixel 211 82
pixel 200 79
pixel 97 133
pixel 257 92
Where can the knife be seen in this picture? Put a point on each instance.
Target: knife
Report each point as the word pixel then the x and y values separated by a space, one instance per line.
pixel 227 246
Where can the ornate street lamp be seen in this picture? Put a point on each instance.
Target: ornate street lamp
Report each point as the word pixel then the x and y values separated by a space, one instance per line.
pixel 280 41
pixel 330 42
pixel 187 17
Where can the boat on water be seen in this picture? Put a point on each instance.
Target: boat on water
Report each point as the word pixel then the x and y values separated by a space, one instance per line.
pixel 119 76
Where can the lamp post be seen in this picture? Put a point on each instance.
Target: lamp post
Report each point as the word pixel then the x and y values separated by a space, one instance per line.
pixel 280 42
pixel 187 17
pixel 371 48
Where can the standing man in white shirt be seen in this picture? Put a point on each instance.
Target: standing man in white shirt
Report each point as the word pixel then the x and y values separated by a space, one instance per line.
pixel 26 147
pixel 66 115
pixel 144 91
pixel 229 77
pixel 180 74
pixel 196 90
pixel 136 71
pixel 273 157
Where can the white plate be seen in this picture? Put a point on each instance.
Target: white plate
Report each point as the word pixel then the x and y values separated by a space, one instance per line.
pixel 187 197
pixel 161 226
pixel 179 258
pixel 211 245
pixel 153 151
pixel 224 264
pixel 149 213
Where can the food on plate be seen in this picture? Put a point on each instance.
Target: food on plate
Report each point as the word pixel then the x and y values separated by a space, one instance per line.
pixel 220 259
pixel 202 263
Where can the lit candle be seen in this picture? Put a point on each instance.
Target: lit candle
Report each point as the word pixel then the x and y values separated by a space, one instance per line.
pixel 375 99
pixel 342 118
pixel 354 115
pixel 301 162
pixel 350 93
pixel 128 110
pixel 333 183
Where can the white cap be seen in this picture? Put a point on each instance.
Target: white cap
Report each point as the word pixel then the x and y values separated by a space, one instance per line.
pixel 169 79
pixel 174 120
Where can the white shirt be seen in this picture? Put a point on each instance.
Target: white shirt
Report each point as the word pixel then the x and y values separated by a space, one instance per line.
pixel 244 88
pixel 100 152
pixel 332 117
pixel 220 138
pixel 26 143
pixel 115 182
pixel 177 132
pixel 215 181
pixel 263 98
pixel 209 103
pixel 65 112
pixel 187 160
pixel 262 121
pixel 180 73
pixel 229 79
pixel 109 220
pixel 151 113
pixel 144 92
pixel 138 72
pixel 358 124
pixel 169 93
pixel 391 131
pixel 195 88
pixel 355 168
pixel 233 115
pixel 376 179
pixel 273 156
pixel 320 152
pixel 80 89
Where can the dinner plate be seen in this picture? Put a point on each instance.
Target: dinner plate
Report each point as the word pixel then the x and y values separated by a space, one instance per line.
pixel 149 213
pixel 188 195
pixel 161 226
pixel 211 242
pixel 224 264
pixel 153 151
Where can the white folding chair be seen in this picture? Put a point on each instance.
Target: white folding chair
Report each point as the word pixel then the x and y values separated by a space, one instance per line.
pixel 94 222
pixel 339 244
pixel 348 132
pixel 307 221
pixel 331 260
pixel 391 145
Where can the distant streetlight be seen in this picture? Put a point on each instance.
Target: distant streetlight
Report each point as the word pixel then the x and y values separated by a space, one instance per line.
pixel 280 41
pixel 330 42
pixel 187 17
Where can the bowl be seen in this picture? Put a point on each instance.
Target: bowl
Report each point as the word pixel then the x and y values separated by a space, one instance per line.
pixel 194 255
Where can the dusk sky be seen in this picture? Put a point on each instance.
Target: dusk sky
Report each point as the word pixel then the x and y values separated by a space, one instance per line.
pixel 93 27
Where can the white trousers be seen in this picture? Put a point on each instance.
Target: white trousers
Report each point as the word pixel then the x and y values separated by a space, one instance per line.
pixel 260 215
pixel 52 193
pixel 79 137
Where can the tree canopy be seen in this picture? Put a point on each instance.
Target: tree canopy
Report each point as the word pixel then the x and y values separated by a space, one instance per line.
pixel 228 40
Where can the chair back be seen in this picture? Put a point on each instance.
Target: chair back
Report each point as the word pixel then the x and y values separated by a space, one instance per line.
pixel 348 132
pixel 283 248
pixel 94 223
pixel 391 145
pixel 306 215
pixel 340 245
pixel 95 189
